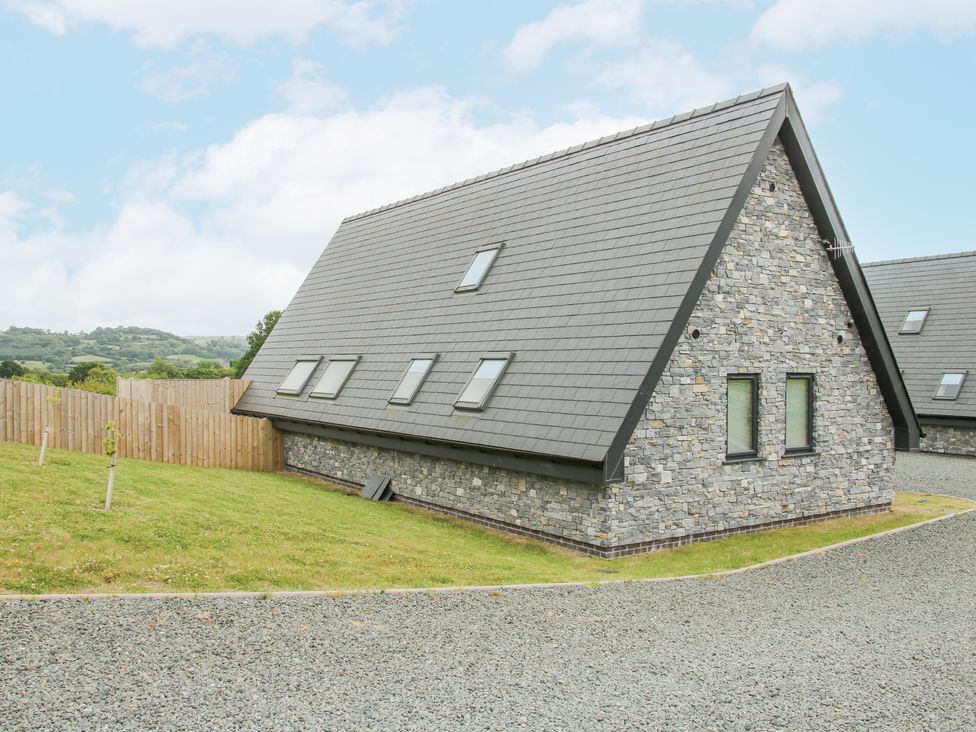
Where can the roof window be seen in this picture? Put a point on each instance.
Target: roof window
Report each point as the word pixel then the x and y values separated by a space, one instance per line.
pixel 413 379
pixel 914 321
pixel 336 373
pixel 478 269
pixel 483 381
pixel 950 385
pixel 299 375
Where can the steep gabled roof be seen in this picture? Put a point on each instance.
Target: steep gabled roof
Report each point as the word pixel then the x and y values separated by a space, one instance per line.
pixel 944 283
pixel 607 248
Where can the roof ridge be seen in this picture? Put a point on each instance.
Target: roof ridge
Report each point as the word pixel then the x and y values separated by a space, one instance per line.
pixel 947 255
pixel 641 129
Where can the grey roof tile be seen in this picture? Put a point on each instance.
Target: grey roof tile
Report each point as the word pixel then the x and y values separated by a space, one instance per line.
pixel 946 284
pixel 602 241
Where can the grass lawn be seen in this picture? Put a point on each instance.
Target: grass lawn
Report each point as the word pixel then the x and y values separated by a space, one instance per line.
pixel 175 528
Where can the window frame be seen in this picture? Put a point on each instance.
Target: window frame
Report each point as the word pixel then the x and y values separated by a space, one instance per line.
pixel 328 361
pixel 295 392
pixel 955 397
pixel 507 357
pixel 754 453
pixel 925 318
pixel 394 399
pixel 497 248
pixel 809 447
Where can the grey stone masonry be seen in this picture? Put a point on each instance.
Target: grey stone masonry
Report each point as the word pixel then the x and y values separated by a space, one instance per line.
pixel 949 440
pixel 772 306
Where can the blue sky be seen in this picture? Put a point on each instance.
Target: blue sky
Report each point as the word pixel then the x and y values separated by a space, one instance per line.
pixel 181 164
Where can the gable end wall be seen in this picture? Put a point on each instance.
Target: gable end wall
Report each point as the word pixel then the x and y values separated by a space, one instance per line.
pixel 771 306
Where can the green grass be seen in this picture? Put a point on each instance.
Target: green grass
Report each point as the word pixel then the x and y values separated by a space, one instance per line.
pixel 174 528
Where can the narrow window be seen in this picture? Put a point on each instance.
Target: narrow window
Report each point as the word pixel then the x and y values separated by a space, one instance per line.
pixel 483 382
pixel 334 377
pixel 950 385
pixel 914 321
pixel 742 417
pixel 799 412
pixel 299 375
pixel 412 379
pixel 478 269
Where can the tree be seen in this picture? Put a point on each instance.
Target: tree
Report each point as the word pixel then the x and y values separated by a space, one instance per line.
pixel 255 340
pixel 10 369
pixel 162 369
pixel 79 372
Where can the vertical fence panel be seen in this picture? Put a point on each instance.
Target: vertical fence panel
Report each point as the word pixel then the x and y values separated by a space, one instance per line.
pixel 160 431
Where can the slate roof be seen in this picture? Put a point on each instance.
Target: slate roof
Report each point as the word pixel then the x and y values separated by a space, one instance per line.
pixel 946 283
pixel 604 243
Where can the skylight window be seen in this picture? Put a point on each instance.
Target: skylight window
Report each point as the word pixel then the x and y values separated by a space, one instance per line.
pixel 478 269
pixel 914 321
pixel 950 385
pixel 299 375
pixel 334 377
pixel 412 379
pixel 483 382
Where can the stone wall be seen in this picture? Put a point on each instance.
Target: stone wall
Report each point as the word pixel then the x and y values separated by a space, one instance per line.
pixel 539 505
pixel 772 306
pixel 949 440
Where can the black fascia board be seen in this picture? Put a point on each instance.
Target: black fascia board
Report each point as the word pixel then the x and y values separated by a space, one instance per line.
pixel 940 421
pixel 580 471
pixel 614 461
pixel 827 217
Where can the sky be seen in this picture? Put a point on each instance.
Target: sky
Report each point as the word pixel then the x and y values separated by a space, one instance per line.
pixel 181 164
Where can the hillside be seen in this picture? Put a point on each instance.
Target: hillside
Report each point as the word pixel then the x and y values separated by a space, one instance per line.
pixel 123 348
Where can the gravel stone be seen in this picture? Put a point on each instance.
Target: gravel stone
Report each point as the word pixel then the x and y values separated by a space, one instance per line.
pixel 880 635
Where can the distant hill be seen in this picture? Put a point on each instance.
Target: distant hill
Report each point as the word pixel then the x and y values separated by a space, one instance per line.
pixel 123 348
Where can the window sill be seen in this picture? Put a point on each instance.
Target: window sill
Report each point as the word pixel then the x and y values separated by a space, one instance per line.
pixel 798 453
pixel 735 460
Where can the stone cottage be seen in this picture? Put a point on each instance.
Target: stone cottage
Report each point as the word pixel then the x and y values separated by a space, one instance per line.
pixel 644 340
pixel 928 307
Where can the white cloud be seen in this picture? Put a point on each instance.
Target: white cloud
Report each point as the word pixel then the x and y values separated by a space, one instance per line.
pixel 271 198
pixel 308 90
pixel 167 126
pixel 665 78
pixel 802 24
pixel 193 79
pixel 606 22
pixel 167 22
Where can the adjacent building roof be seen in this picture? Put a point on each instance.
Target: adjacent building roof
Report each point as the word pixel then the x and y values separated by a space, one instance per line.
pixel 607 246
pixel 945 285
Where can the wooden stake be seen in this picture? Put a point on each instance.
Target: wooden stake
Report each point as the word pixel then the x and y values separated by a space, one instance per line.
pixel 111 479
pixel 40 460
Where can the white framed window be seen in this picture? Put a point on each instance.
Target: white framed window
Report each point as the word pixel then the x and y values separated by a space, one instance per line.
pixel 483 381
pixel 478 269
pixel 413 378
pixel 336 374
pixel 914 321
pixel 950 384
pixel 299 375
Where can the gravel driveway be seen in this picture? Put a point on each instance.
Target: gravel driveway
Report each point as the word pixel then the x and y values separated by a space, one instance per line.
pixel 881 635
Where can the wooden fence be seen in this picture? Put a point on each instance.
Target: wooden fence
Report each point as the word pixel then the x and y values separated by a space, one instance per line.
pixel 218 395
pixel 146 430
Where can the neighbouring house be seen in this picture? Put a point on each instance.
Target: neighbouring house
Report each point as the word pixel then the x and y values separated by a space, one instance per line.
pixel 928 307
pixel 634 343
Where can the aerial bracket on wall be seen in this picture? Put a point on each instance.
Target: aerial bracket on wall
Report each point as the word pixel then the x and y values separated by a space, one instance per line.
pixel 837 248
pixel 377 488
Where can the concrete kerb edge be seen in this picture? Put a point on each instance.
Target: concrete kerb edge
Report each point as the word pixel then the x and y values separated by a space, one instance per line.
pixel 341 594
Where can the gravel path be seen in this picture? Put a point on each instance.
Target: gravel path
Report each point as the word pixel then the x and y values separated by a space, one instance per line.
pixel 881 635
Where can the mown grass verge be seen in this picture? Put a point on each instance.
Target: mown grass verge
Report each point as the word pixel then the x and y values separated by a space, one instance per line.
pixel 175 528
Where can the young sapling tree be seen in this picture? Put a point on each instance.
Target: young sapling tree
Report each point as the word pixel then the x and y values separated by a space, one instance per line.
pixel 111 444
pixel 51 401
